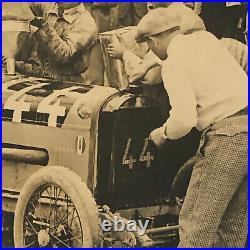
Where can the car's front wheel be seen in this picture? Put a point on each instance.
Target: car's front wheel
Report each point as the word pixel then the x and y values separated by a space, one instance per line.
pixel 55 209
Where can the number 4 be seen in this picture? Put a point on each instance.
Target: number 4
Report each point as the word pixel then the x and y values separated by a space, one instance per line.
pixel 128 160
pixel 146 156
pixel 54 110
pixel 16 102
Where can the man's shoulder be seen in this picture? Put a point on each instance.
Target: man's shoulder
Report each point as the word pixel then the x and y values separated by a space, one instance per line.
pixel 202 34
pixel 84 22
pixel 84 19
pixel 176 44
pixel 84 15
pixel 194 39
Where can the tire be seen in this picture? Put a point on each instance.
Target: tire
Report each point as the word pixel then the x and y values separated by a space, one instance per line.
pixel 77 197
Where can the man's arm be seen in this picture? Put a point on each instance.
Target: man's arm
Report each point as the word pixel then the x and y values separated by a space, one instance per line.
pixel 136 69
pixel 238 50
pixel 82 35
pixel 29 69
pixel 141 70
pixel 183 114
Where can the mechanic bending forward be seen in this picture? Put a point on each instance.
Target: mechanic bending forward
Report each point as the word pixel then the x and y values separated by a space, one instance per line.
pixel 208 90
pixel 148 69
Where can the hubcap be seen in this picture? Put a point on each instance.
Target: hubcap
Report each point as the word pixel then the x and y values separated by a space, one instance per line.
pixel 43 238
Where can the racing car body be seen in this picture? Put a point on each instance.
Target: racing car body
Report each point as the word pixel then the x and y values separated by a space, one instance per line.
pixel 99 133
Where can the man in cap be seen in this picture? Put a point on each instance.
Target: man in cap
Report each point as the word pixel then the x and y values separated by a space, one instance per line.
pixel 148 70
pixel 208 90
pixel 130 13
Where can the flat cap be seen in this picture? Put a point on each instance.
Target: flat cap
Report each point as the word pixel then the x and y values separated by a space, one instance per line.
pixel 163 19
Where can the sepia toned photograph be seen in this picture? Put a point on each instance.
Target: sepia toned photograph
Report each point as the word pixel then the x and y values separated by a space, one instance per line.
pixel 124 124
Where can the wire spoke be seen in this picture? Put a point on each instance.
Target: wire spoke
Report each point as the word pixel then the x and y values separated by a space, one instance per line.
pixel 45 217
pixel 31 230
pixel 59 240
pixel 78 229
pixel 32 243
pixel 72 218
pixel 53 204
pixel 66 214
pixel 31 225
pixel 62 222
pixel 74 238
pixel 50 204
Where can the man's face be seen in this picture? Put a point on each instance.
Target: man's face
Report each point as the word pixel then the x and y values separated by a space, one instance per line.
pixel 155 45
pixel 67 5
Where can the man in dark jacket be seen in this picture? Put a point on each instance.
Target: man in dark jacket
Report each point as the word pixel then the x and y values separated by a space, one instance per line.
pixel 101 12
pixel 65 33
pixel 130 13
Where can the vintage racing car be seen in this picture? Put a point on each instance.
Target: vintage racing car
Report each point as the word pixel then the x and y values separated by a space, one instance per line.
pixel 74 155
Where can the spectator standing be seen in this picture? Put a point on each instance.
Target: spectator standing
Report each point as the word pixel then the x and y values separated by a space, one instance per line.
pixel 212 14
pixel 224 19
pixel 130 13
pixel 101 12
pixel 234 17
pixel 65 34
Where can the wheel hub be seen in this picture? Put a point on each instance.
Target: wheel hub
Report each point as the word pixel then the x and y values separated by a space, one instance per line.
pixel 43 238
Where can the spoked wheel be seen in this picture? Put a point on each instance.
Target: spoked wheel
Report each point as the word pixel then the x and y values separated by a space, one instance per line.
pixel 56 210
pixel 58 225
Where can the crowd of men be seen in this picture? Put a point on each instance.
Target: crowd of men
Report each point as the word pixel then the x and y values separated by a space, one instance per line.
pixel 65 44
pixel 205 79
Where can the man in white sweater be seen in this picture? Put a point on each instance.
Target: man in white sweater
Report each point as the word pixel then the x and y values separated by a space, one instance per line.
pixel 208 90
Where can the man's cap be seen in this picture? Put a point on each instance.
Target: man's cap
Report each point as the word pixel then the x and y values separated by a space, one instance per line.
pixel 164 19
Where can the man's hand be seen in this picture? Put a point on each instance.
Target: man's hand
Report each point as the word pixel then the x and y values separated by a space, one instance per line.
pixel 116 49
pixel 37 22
pixel 137 73
pixel 157 136
pixel 20 65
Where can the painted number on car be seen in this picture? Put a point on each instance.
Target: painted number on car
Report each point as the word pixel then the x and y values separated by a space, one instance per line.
pixel 50 105
pixel 145 156
pixel 16 102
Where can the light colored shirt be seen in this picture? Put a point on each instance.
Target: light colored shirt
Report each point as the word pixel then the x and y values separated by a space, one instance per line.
pixel 131 62
pixel 238 50
pixel 204 82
